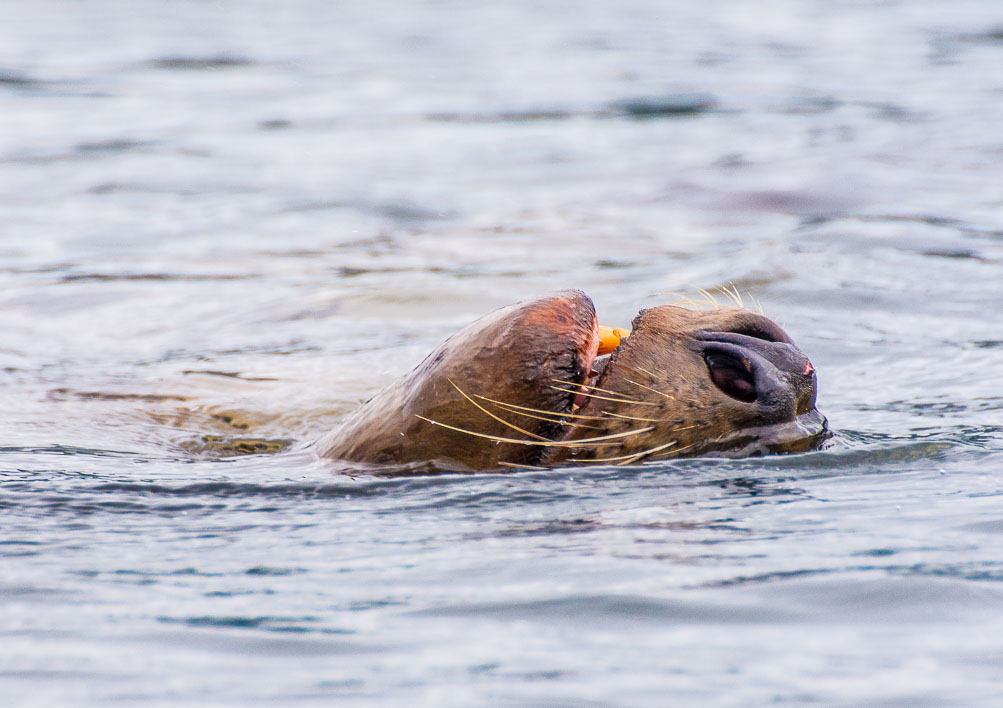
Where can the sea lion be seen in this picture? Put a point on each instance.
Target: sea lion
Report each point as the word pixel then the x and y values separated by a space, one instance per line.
pixel 516 388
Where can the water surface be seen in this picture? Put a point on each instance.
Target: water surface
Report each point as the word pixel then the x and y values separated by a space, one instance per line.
pixel 224 226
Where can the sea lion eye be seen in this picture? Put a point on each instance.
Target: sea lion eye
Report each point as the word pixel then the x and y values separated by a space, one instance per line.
pixel 732 374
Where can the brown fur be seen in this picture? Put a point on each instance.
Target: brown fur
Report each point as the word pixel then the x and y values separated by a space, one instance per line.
pixel 500 392
pixel 512 354
pixel 661 369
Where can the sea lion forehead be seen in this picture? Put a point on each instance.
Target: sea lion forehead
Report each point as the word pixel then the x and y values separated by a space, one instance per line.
pixel 679 320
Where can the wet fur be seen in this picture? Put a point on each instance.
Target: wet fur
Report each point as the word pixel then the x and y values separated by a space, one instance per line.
pixel 499 393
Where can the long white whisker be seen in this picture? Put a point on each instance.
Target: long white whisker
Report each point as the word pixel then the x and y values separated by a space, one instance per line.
pixel 653 390
pixel 594 388
pixel 517 466
pixel 645 453
pixel 606 398
pixel 500 420
pixel 676 451
pixel 738 297
pixel 627 459
pixel 552 420
pixel 538 410
pixel 584 442
pixel 707 294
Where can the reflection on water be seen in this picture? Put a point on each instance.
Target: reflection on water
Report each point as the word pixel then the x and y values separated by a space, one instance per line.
pixel 224 227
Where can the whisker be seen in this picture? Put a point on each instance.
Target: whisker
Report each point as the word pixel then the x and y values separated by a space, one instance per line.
pixel 633 417
pixel 627 459
pixel 707 294
pixel 584 442
pixel 675 293
pixel 683 300
pixel 516 466
pixel 645 371
pixel 550 420
pixel 731 292
pixel 594 388
pixel 611 436
pixel 649 420
pixel 606 398
pixel 738 296
pixel 676 451
pixel 499 419
pixel 645 453
pixel 709 301
pixel 653 390
pixel 538 410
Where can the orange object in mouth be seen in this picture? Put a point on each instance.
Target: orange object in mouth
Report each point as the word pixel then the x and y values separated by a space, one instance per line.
pixel 610 338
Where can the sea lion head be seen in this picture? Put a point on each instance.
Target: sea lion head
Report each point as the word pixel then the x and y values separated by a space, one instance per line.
pixel 520 387
pixel 689 382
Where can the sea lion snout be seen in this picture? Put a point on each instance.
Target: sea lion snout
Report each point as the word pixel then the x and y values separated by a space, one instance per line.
pixel 771 374
pixel 692 382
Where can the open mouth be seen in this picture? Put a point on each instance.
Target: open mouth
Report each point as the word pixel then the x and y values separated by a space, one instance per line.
pixel 595 370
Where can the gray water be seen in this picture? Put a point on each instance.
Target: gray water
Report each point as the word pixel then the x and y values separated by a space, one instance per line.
pixel 223 225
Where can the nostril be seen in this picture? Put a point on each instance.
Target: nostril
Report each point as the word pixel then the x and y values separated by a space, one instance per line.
pixel 732 374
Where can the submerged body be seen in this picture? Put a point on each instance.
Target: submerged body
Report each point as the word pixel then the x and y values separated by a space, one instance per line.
pixel 520 387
